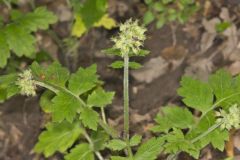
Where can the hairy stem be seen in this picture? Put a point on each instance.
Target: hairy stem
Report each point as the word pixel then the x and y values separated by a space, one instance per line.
pixel 126 104
pixel 126 98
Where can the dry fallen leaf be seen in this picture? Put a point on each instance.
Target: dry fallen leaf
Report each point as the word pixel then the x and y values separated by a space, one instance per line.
pixel 200 69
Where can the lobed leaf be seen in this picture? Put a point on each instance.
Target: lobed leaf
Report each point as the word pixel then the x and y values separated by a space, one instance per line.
pixel 80 152
pixel 89 118
pixel 65 107
pixel 57 137
pixel 100 98
pixel 83 80
pixel 150 149
pixel 196 94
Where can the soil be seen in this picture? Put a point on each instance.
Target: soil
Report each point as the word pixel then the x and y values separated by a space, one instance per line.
pixel 21 119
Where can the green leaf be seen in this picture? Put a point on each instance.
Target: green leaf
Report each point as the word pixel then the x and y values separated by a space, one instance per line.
pixel 112 51
pixel 196 94
pixel 99 138
pixel 45 101
pixel 65 106
pixel 89 118
pixel 175 142
pixel 80 152
pixel 221 27
pixel 116 145
pixel 100 98
pixel 89 17
pixel 83 80
pixel 222 86
pixel 117 64
pixel 134 65
pixel 8 87
pixel 4 50
pixel 57 137
pixel 20 41
pixel 119 158
pixel 54 74
pixel 174 117
pixel 135 140
pixel 40 18
pixel 148 17
pixel 217 137
pixel 149 150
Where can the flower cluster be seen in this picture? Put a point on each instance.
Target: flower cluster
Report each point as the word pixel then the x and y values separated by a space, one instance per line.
pixel 26 83
pixel 231 119
pixel 130 38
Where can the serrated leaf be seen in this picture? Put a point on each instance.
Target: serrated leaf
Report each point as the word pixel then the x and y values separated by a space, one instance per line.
pixel 176 142
pixel 40 18
pixel 150 149
pixel 20 41
pixel 89 118
pixel 80 152
pixel 57 137
pixel 83 80
pixel 100 98
pixel 116 145
pixel 106 22
pixel 135 140
pixel 88 16
pixel 196 94
pixel 173 117
pixel 4 50
pixel 65 106
pixel 217 137
pixel 222 86
pixel 54 74
pixel 99 138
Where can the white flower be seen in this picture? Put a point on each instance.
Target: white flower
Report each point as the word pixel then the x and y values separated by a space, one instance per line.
pixel 229 120
pixel 26 83
pixel 130 38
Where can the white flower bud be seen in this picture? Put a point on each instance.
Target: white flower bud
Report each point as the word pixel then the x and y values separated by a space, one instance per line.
pixel 229 120
pixel 130 38
pixel 26 83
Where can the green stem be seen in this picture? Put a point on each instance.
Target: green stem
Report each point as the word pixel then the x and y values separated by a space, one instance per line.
pixel 212 128
pixel 217 103
pixel 103 115
pixel 126 104
pixel 126 98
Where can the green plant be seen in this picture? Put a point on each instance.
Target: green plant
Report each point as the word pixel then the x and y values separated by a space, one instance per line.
pixel 16 36
pixel 85 18
pixel 218 102
pixel 168 11
pixel 75 100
